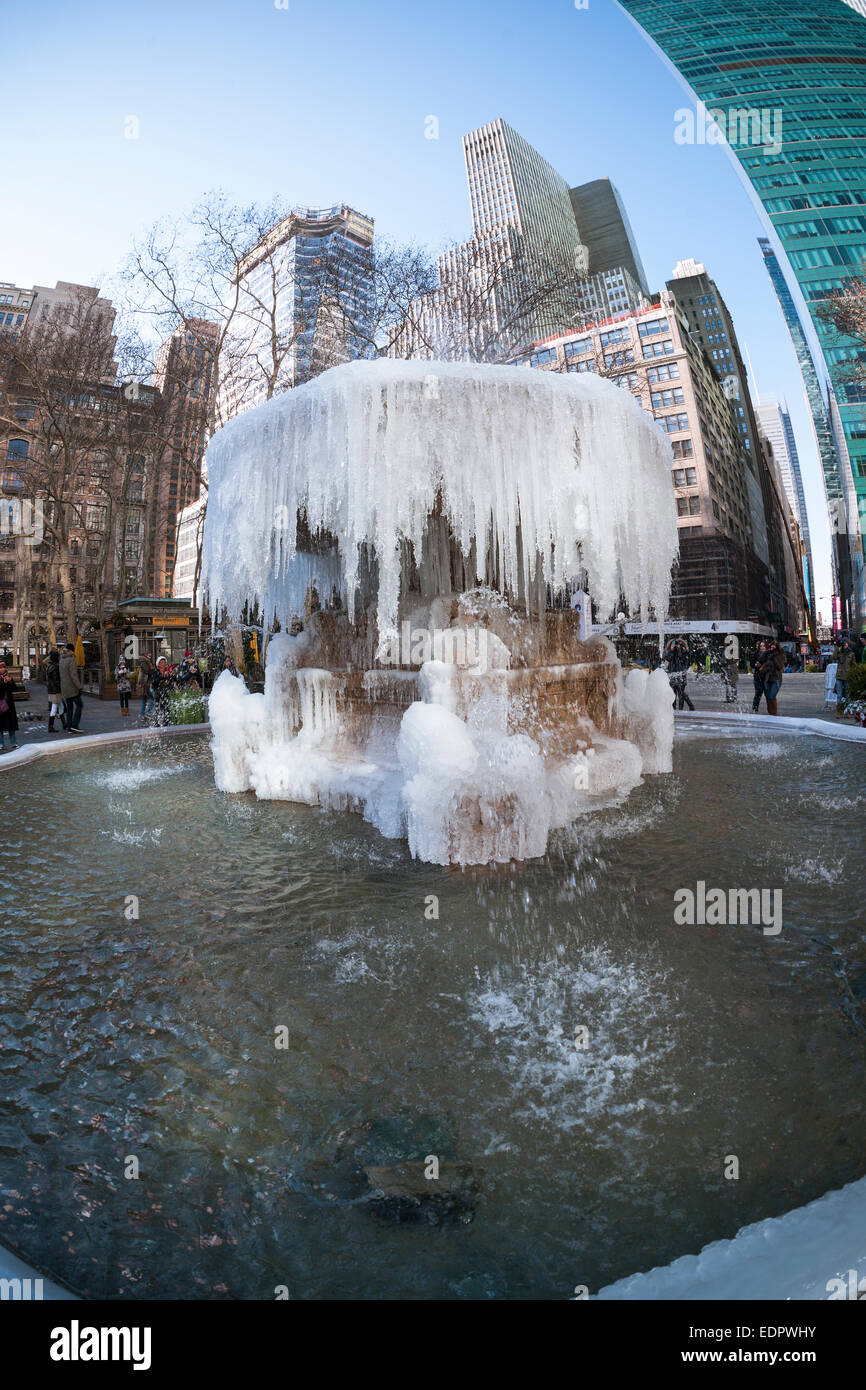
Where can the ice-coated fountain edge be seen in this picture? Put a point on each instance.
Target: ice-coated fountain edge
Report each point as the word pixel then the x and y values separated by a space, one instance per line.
pixel 794 1256
pixel 22 756
pixel 768 724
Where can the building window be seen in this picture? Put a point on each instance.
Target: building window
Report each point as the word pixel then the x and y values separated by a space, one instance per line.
pixel 673 423
pixel 17 449
pixel 683 449
pixel 668 372
pixel 649 328
pixel 663 349
pixel 672 397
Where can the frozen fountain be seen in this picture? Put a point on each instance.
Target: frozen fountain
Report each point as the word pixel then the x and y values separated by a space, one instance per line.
pixel 428 523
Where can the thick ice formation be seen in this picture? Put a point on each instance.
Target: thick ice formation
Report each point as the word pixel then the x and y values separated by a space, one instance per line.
pixel 434 689
pixel 814 1252
pixel 528 467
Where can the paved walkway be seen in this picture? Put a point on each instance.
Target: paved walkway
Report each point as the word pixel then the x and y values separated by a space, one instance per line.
pixel 97 717
pixel 801 695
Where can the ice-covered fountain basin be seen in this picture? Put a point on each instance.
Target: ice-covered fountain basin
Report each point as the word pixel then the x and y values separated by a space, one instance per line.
pixel 536 477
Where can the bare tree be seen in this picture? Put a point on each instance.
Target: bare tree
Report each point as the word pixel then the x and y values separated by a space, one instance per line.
pixel 846 312
pixel 88 454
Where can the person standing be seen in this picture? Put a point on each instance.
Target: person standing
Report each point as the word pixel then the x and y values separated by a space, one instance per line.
pixel 124 686
pixel 160 684
pixel 844 662
pixel 677 660
pixel 8 716
pixel 145 673
pixel 775 662
pixel 758 675
pixel 52 687
pixel 70 688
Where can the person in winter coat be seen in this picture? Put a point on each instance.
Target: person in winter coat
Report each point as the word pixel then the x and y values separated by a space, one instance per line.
pixel 845 660
pixel 52 687
pixel 145 674
pixel 124 685
pixel 758 675
pixel 677 662
pixel 70 688
pixel 8 717
pixel 160 684
pixel 774 665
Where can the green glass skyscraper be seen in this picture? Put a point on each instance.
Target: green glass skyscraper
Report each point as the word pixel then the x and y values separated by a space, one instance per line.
pixel 785 83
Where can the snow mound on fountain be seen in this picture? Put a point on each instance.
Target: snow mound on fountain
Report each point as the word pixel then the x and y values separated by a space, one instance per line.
pixel 460 791
pixel 528 464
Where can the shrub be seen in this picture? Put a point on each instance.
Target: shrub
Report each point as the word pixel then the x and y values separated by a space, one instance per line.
pixel 186 707
pixel 857 683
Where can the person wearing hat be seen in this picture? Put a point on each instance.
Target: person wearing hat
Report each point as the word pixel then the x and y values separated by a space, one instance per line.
pixel 124 685
pixel 70 688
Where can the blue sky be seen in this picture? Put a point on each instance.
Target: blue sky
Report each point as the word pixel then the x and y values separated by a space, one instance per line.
pixel 327 101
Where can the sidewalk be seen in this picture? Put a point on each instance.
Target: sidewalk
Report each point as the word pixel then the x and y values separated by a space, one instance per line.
pixel 97 717
pixel 801 695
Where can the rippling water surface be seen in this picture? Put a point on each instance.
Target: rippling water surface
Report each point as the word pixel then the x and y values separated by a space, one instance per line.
pixel 153 1036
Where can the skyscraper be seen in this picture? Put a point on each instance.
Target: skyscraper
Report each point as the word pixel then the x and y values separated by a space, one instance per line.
pixel 775 422
pixel 605 230
pixel 305 293
pixel 510 185
pixel 184 375
pixel 526 273
pixel 712 328
pixel 847 558
pixel 785 81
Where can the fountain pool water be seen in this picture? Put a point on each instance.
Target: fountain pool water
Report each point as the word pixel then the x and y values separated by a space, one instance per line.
pixel 151 1032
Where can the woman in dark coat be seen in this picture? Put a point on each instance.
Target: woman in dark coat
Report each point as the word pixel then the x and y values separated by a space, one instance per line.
pixel 160 687
pixel 8 717
pixel 52 687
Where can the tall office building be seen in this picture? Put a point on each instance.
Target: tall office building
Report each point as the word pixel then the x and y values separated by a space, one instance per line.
pixel 785 80
pixel 847 550
pixel 184 376
pixel 305 298
pixel 775 422
pixel 712 328
pixel 605 230
pixel 527 271
pixel 510 185
pixel 723 575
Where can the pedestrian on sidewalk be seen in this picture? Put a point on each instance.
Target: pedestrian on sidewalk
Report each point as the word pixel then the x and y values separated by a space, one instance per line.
pixel 677 662
pixel 8 716
pixel 844 662
pixel 124 686
pixel 52 687
pixel 145 672
pixel 160 684
pixel 70 688
pixel 758 675
pixel 775 661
